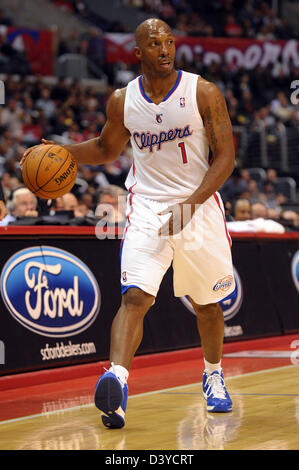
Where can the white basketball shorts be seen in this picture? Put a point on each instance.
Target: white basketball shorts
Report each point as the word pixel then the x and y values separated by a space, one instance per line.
pixel 200 253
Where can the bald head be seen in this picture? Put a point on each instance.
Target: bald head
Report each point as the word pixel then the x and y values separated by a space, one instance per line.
pixel 155 49
pixel 242 209
pixel 150 27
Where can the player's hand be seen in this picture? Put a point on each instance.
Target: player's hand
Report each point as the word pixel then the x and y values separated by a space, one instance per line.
pixel 3 210
pixel 180 215
pixel 175 223
pixel 44 141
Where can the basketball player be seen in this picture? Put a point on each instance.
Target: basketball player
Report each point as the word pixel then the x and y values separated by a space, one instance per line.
pixel 172 119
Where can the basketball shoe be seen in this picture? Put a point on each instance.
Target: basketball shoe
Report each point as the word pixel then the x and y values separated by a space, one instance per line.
pixel 215 393
pixel 111 398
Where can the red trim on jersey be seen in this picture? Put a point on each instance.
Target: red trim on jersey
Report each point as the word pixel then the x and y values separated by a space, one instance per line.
pixel 131 205
pixel 226 231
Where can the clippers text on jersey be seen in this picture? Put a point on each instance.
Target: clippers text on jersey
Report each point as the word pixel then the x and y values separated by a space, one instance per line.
pixel 149 140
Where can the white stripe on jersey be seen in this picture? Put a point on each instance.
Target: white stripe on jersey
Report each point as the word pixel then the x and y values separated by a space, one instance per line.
pixel 169 141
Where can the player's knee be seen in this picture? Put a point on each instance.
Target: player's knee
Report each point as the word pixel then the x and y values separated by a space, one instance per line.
pixel 137 301
pixel 209 311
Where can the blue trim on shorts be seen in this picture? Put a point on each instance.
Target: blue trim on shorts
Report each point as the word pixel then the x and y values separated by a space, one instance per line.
pixel 125 288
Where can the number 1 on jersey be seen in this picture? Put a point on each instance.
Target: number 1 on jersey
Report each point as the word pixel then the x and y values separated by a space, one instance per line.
pixel 183 152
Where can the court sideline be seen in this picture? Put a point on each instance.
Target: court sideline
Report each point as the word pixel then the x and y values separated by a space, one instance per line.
pixel 54 410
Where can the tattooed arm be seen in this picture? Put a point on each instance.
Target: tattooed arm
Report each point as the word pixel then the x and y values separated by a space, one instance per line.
pixel 212 107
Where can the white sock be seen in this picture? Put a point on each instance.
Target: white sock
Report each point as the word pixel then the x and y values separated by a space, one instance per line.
pixel 209 368
pixel 120 372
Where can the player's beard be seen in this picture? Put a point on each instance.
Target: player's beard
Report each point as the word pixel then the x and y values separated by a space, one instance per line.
pixel 154 72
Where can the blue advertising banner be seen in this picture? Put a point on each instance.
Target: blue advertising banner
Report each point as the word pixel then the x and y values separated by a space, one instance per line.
pixel 61 291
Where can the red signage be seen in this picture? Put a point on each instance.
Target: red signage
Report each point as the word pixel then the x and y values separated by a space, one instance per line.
pixel 36 44
pixel 248 53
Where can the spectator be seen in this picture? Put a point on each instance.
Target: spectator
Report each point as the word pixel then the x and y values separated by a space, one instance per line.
pixel 69 202
pixel 22 204
pixel 242 210
pixel 257 223
pixel 271 175
pixel 46 103
pixel 273 200
pixel 228 208
pixel 254 193
pixel 87 204
pixel 96 50
pixel 290 219
pixel 83 210
pixel 282 108
pixel 232 28
pixel 11 118
pixel 259 210
pixel 234 186
pixel 112 205
pixel 274 214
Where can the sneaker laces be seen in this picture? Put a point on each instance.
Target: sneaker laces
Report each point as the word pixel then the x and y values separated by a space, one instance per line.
pixel 216 386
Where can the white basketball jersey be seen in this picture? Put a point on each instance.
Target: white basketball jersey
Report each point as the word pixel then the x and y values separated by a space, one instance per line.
pixel 170 146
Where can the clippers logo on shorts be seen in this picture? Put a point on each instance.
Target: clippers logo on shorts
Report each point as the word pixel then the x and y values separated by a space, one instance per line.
pixel 295 270
pixel 50 291
pixel 230 305
pixel 223 284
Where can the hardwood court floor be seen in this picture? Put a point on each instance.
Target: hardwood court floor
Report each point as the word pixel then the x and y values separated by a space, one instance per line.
pixel 166 410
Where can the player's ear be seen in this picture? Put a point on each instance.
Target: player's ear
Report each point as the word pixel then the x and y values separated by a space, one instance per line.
pixel 137 52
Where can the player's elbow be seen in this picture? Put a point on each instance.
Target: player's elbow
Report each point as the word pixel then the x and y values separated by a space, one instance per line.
pixel 102 154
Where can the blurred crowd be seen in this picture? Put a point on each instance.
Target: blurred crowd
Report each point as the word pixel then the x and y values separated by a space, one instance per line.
pixel 69 111
pixel 222 18
pixel 257 205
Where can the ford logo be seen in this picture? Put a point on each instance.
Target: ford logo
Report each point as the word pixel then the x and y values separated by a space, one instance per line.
pixel 50 291
pixel 295 269
pixel 230 305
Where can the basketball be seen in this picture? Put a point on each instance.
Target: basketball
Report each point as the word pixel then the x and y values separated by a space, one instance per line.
pixel 49 171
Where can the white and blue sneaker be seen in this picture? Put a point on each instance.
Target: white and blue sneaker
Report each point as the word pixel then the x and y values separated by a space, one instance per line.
pixel 214 391
pixel 111 398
